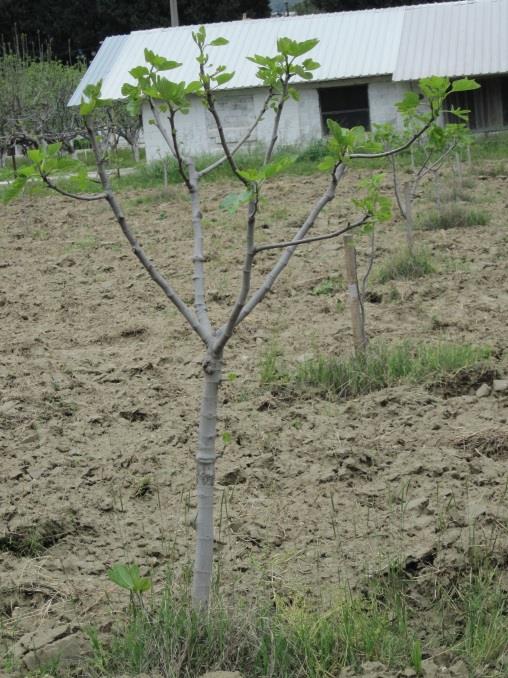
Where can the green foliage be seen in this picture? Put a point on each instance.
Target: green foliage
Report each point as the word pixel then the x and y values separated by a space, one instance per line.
pixel 377 206
pixel 406 266
pixel 383 366
pixel 34 96
pixel 128 577
pixel 452 216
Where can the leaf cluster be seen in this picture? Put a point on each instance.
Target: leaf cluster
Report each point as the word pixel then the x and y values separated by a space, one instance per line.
pixel 275 72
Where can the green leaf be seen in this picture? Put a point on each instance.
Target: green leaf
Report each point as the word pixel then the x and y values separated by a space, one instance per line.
pixel 234 200
pixel 252 174
pixel 139 72
pixel 199 36
pixel 35 155
pixel 464 85
pixel 14 189
pixel 227 437
pixel 409 103
pixel 160 63
pixel 194 87
pixel 327 164
pixel 293 48
pixel 278 166
pixel 232 376
pixel 87 107
pixel 222 78
pixel 53 149
pixel 27 171
pixel 219 42
pixel 128 577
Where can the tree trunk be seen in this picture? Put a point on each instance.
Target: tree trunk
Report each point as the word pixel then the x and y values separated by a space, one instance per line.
pixel 408 224
pixel 135 150
pixel 205 467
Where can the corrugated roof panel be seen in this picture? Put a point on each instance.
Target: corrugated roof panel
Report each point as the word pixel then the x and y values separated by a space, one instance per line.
pixel 100 66
pixel 351 44
pixel 454 39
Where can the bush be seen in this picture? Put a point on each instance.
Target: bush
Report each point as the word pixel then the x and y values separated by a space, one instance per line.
pixel 453 216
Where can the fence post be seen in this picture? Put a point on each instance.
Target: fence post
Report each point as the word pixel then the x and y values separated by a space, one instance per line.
pixel 355 303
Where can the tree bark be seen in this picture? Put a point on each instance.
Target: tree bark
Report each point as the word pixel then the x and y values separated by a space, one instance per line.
pixel 205 471
pixel 408 208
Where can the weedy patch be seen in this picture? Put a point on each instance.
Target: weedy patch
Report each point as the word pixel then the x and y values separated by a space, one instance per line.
pixel 453 216
pixel 444 365
pixel 406 266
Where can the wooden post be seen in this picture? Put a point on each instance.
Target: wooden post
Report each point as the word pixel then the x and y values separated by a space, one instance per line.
pixel 359 338
pixel 173 8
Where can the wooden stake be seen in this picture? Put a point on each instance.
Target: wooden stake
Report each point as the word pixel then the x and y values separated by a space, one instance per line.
pixel 359 338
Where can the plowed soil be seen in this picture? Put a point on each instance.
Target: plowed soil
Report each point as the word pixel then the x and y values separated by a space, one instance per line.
pixel 100 386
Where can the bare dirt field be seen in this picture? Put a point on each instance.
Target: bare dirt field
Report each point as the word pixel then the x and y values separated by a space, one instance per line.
pixel 100 386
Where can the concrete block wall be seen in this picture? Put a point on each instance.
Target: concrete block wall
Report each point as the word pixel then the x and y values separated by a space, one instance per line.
pixel 383 95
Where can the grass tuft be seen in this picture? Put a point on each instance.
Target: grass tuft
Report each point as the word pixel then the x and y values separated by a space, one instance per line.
pixel 453 216
pixel 406 266
pixel 384 366
pixel 274 636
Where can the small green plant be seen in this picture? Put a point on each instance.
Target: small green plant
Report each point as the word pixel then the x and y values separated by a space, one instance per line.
pixel 406 266
pixel 329 286
pixel 271 371
pixel 128 577
pixel 453 216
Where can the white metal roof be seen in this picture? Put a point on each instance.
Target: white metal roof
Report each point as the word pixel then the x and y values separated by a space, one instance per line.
pixel 100 66
pixel 468 37
pixel 351 44
pixel 453 39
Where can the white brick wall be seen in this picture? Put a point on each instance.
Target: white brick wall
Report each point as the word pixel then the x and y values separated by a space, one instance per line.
pixel 383 95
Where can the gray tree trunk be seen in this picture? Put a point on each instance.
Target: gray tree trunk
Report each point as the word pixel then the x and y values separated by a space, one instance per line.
pixel 408 208
pixel 205 468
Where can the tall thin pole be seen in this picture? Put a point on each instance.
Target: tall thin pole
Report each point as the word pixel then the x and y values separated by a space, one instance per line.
pixel 173 7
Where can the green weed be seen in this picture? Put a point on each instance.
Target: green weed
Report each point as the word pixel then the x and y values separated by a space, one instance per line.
pixel 406 266
pixel 452 216
pixel 383 366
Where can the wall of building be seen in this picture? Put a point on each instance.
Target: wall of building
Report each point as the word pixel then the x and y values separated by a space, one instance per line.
pixel 383 95
pixel 300 122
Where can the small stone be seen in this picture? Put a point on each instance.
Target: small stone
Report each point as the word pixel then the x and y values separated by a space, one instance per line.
pixel 419 504
pixel 430 669
pixel 483 391
pixel 7 407
pixel 68 650
pixel 32 438
pixel 500 385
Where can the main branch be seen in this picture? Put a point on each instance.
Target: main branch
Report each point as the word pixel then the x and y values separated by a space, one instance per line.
pixel 153 272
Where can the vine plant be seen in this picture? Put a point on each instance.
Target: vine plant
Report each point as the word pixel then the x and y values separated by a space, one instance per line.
pixel 168 100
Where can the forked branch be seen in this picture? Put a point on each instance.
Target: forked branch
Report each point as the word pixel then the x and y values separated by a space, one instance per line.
pixel 285 257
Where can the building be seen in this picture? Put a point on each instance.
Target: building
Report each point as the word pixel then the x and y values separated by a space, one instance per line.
pixel 368 60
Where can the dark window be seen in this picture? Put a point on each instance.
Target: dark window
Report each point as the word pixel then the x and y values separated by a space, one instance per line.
pixel 488 106
pixel 349 106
